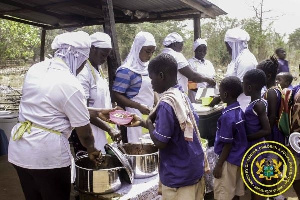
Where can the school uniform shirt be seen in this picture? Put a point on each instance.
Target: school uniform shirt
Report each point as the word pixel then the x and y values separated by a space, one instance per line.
pixel 127 82
pixel 253 124
pixel 52 98
pixel 181 162
pixel 283 66
pixel 181 62
pixel 231 129
pixel 204 68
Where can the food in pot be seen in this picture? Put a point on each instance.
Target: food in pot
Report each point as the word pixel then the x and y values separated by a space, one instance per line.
pixel 139 149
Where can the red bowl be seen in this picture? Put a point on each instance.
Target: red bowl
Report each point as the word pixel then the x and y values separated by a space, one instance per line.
pixel 120 117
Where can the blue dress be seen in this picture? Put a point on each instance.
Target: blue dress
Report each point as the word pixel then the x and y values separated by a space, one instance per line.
pixel 252 121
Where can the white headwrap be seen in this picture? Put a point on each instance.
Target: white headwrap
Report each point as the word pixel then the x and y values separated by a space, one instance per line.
pixel 73 48
pixel 237 39
pixel 101 40
pixel 133 61
pixel 199 42
pixel 172 38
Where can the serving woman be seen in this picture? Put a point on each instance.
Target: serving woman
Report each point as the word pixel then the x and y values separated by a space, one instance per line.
pixel 97 91
pixel 52 104
pixel 200 65
pixel 132 86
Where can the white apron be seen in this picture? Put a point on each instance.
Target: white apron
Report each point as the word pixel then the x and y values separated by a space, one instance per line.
pixel 101 97
pixel 146 98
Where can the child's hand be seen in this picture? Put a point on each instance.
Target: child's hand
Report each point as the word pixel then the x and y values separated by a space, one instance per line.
pixel 152 116
pixel 217 171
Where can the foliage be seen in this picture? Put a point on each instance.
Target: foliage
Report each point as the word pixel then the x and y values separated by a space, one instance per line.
pixel 127 32
pixel 294 39
pixel 18 41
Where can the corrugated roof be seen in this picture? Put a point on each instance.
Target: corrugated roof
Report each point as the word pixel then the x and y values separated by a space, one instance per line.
pixel 61 13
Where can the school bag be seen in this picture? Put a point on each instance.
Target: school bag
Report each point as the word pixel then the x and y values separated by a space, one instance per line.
pixel 284 119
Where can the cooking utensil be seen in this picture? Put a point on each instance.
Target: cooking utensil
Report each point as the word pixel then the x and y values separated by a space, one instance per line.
pixel 294 140
pixel 113 149
pixel 143 159
pixel 100 179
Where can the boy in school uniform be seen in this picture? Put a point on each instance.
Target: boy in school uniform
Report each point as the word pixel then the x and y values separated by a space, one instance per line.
pixel 231 143
pixel 172 129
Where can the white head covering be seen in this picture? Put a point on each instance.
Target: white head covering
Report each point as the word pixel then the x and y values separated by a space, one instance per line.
pixel 73 48
pixel 199 42
pixel 237 39
pixel 133 61
pixel 101 40
pixel 172 38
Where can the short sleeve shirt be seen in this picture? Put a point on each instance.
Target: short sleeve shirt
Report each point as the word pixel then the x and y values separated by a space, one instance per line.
pixel 204 68
pixel 181 162
pixel 127 82
pixel 181 62
pixel 231 129
pixel 52 98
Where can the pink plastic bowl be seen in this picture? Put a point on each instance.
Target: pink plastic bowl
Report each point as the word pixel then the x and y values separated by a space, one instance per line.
pixel 120 117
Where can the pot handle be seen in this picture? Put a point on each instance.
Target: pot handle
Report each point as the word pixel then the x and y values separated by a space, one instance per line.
pixel 81 153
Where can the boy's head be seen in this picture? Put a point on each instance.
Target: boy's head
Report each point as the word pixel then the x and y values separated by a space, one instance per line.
pixel 254 80
pixel 281 54
pixel 163 72
pixel 270 67
pixel 230 89
pixel 284 79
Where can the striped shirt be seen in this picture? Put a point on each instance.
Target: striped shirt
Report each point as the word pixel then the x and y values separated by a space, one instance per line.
pixel 127 82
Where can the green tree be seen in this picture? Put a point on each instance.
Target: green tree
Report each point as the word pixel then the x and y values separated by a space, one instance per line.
pixel 18 41
pixel 294 39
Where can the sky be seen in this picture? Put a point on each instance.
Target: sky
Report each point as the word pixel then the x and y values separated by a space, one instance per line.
pixel 286 12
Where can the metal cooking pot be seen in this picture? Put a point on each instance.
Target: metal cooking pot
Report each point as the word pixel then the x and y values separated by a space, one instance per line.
pixel 102 180
pixel 143 159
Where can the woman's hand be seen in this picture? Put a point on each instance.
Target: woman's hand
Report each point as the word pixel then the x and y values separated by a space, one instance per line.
pixel 115 135
pixel 144 109
pixel 95 156
pixel 102 113
pixel 211 82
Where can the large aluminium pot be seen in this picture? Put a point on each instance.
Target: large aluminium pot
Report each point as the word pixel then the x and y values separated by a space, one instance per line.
pixel 143 159
pixel 97 180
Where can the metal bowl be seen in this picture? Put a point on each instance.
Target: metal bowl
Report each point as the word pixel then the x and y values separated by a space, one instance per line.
pixel 97 180
pixel 143 159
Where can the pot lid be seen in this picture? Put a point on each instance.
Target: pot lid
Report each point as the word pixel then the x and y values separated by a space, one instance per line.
pixel 294 140
pixel 123 159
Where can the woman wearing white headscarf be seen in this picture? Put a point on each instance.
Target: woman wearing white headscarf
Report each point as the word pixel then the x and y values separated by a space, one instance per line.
pixel 173 46
pixel 201 65
pixel 52 103
pixel 242 60
pixel 132 85
pixel 96 91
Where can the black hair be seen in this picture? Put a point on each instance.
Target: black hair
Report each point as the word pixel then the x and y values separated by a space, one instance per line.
pixel 278 50
pixel 287 77
pixel 269 66
pixel 232 85
pixel 163 63
pixel 256 77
